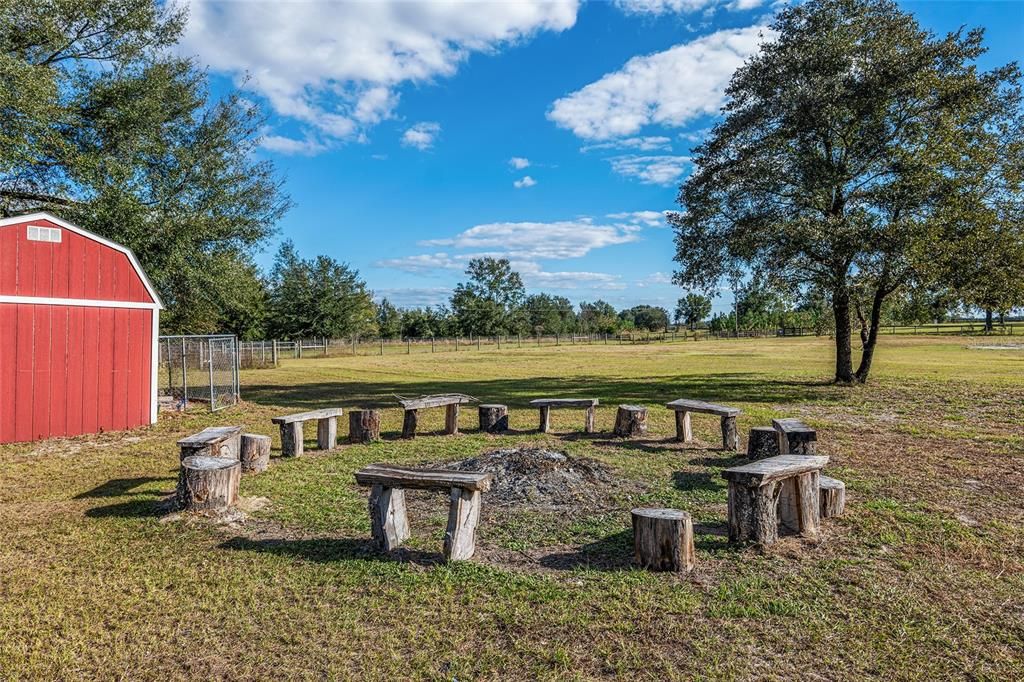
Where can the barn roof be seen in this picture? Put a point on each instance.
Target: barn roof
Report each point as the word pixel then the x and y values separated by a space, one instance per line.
pixel 44 215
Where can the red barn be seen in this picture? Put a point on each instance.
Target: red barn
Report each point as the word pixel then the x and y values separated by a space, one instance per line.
pixel 79 323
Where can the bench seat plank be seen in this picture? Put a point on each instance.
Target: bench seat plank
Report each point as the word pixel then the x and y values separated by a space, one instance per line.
pixel 325 413
pixel 210 436
pixel 686 405
pixel 564 402
pixel 423 479
pixel 791 425
pixel 435 401
pixel 774 468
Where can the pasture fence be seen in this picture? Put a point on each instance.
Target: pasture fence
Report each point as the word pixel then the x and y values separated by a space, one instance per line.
pixel 198 369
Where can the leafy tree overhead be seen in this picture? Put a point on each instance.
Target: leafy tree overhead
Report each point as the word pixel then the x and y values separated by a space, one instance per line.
pixel 101 123
pixel 490 303
pixel 317 298
pixel 692 309
pixel 857 155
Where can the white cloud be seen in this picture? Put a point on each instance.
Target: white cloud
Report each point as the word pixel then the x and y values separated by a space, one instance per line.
pixel 422 263
pixel 414 297
pixel 654 278
pixel 526 181
pixel 292 146
pixel 532 240
pixel 658 7
pixel 519 163
pixel 651 170
pixel 421 135
pixel 336 66
pixel 573 280
pixel 642 144
pixel 647 218
pixel 667 88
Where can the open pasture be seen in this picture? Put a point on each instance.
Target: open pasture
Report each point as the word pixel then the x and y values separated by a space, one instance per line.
pixel 920 579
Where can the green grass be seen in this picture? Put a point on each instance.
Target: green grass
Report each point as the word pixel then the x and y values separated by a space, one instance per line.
pixel 921 579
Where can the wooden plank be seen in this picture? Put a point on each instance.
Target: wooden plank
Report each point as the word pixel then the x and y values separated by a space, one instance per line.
pixel 686 405
pixel 210 435
pixel 424 479
pixel 774 468
pixel 435 401
pixel 307 416
pixel 581 403
pixel 791 426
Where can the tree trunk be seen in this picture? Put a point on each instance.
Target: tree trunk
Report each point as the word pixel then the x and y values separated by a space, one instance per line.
pixel 363 426
pixel 844 350
pixel 872 339
pixel 630 420
pixel 988 319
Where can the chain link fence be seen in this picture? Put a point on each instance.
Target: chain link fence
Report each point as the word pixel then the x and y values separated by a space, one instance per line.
pixel 198 369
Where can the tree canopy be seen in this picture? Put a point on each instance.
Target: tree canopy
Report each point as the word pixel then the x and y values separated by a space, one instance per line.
pixel 489 303
pixel 858 155
pixel 692 309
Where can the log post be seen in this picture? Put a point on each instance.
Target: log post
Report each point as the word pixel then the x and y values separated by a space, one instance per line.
pixel 663 539
pixel 832 494
pixel 255 453
pixel 327 433
pixel 730 434
pixel 684 431
pixel 363 426
pixel 291 439
pixel 493 418
pixel 753 513
pixel 545 419
pixel 800 443
pixel 208 483
pixel 463 516
pixel 388 521
pixel 799 509
pixel 409 424
pixel 630 420
pixel 590 419
pixel 762 442
pixel 451 419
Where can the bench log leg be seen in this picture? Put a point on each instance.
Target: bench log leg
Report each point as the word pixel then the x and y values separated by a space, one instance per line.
pixel 327 433
pixel 684 432
pixel 388 520
pixel 799 443
pixel 463 515
pixel 753 513
pixel 291 439
pixel 409 424
pixel 730 434
pixel 588 421
pixel 799 504
pixel 451 419
pixel 545 420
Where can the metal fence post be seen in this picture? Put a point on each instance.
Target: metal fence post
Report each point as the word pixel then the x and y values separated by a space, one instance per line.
pixel 184 374
pixel 209 345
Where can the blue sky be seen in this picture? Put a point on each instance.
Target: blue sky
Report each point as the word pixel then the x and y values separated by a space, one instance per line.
pixel 415 136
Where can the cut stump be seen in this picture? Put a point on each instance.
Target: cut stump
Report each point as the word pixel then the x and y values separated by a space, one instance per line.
pixel 255 453
pixel 493 418
pixel 730 434
pixel 663 539
pixel 208 483
pixel 762 442
pixel 832 493
pixel 630 420
pixel 291 439
pixel 363 426
pixel 409 424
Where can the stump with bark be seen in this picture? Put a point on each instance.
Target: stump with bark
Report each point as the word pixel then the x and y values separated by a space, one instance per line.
pixel 493 418
pixel 762 442
pixel 409 424
pixel 630 420
pixel 363 426
pixel 663 539
pixel 208 483
pixel 832 494
pixel 254 453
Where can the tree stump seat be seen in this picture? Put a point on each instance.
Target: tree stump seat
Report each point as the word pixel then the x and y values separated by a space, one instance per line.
pixel 208 483
pixel 291 430
pixel 545 405
pixel 663 539
pixel 763 441
pixel 215 441
pixel 388 518
pixel 795 437
pixel 449 401
pixel 630 420
pixel 781 490
pixel 684 432
pixel 833 496
pixel 363 426
pixel 255 453
pixel 493 418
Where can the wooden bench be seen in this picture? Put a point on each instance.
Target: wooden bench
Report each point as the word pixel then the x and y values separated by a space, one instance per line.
pixel 795 437
pixel 449 401
pixel 215 441
pixel 684 433
pixel 291 430
pixel 545 405
pixel 388 520
pixel 781 489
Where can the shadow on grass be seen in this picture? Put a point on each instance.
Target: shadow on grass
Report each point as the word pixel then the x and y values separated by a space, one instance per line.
pixel 611 553
pixel 136 509
pixel 697 480
pixel 121 487
pixel 332 549
pixel 717 387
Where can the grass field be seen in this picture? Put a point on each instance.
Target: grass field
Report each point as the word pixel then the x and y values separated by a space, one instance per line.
pixel 923 578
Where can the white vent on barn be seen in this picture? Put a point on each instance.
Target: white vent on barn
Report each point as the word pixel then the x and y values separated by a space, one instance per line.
pixel 40 233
